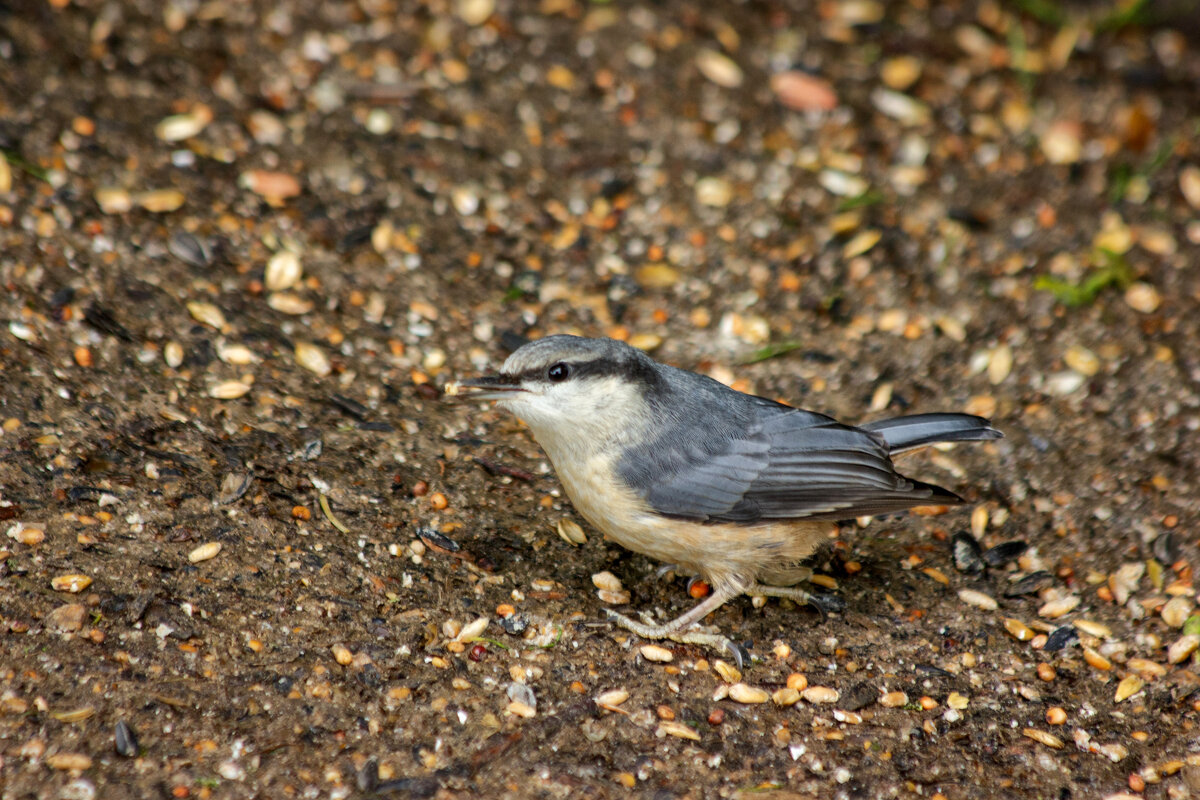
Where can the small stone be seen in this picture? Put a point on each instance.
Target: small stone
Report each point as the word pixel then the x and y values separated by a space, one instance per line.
pixel 978 599
pixel 741 693
pixel 67 617
pixel 73 583
pixel 1142 297
pixel 719 68
pixel 283 271
pixel 204 552
pixel 273 186
pixel 820 695
pixel 313 359
pixel 800 91
pixel 653 652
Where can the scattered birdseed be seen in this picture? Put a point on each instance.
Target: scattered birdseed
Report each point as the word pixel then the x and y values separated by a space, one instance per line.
pixel 978 599
pixel 653 652
pixel 204 552
pixel 72 583
pixel 1048 739
pixel 741 693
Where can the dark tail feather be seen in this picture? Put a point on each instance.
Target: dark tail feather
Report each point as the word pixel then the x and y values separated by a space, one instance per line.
pixel 920 430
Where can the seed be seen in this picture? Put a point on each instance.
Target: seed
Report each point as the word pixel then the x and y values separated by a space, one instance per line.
pixel 27 534
pixel 653 652
pixel 72 583
pixel 75 715
pixel 1149 670
pixel 438 501
pixel 1057 608
pixel 978 599
pixel 519 709
pixel 716 716
pixel 741 693
pixel 820 694
pixel 1055 715
pixel 207 314
pixel 1176 610
pixel 1097 629
pixel 893 699
pixel 229 390
pixel 1000 364
pixel 1142 297
pixel 848 717
pixel 1128 687
pixel 472 630
pixel 1048 739
pixel 1046 672
pixel 797 681
pixel 283 271
pixel 927 703
pixel 236 354
pixel 570 532
pixel 289 303
pixel 612 698
pixel 957 701
pixel 69 761
pixel 786 696
pixel 173 354
pixel 313 359
pixel 1095 659
pixel 1182 647
pixel 477 652
pixel 728 672
pixel 719 68
pixel 668 728
pixel 160 201
pixel 204 552
pixel 607 581
pixel 613 598
pixel 1018 630
pixel 342 655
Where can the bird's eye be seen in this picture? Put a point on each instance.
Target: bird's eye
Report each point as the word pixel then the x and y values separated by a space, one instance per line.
pixel 558 372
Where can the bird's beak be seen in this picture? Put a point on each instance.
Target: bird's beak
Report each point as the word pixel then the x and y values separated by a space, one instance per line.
pixel 488 387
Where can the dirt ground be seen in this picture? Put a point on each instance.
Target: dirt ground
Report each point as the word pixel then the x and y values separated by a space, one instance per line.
pixel 249 546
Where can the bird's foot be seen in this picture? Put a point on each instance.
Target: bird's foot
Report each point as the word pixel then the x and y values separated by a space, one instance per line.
pixel 648 630
pixel 824 603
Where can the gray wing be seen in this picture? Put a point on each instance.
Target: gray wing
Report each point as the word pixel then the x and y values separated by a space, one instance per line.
pixel 786 464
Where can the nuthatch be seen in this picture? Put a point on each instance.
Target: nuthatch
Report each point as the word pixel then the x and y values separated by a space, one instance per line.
pixel 737 489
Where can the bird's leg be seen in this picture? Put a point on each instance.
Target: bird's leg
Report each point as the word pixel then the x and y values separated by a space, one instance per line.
pixel 676 629
pixel 821 602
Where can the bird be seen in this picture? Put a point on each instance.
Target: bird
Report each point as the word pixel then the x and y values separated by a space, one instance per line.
pixel 736 489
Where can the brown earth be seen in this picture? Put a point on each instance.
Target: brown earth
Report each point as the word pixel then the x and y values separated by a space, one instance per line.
pixel 980 210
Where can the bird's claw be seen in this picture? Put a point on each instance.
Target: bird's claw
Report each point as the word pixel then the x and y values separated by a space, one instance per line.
pixel 827 604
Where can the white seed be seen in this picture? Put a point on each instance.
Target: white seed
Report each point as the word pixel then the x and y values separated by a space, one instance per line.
pixel 719 68
pixel 607 581
pixel 283 271
pixel 472 630
pixel 568 529
pixel 1082 360
pixel 1060 606
pixel 741 693
pixel 714 192
pixel 289 303
pixel 204 552
pixel 820 695
pixel 313 359
pixel 178 127
pixel 978 599
pixel 236 354
pixel 206 314
pixel 173 354
pixel 229 390
pixel 653 652
pixel 1142 297
pixel 613 598
pixel 1189 184
pixel 1000 364
pixel 1182 648
pixel 612 698
pixel 1176 611
pixel 669 728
